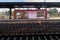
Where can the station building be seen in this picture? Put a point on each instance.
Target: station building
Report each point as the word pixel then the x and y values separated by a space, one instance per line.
pixel 30 14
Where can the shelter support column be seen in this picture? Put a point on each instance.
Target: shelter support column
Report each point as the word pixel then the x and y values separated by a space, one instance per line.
pixel 46 13
pixel 10 13
pixel 14 14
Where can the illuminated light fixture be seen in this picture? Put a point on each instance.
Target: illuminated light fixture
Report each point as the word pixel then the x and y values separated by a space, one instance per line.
pixel 43 6
pixel 28 6
pixel 16 6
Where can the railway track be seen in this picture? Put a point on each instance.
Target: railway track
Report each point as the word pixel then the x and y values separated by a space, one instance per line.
pixel 31 37
pixel 30 27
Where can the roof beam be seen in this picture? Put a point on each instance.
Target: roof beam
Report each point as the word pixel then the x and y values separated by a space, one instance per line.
pixel 29 4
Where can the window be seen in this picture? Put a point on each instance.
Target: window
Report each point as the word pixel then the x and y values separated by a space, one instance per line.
pixel 18 15
pixel 25 15
pixel 21 15
pixel 39 14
